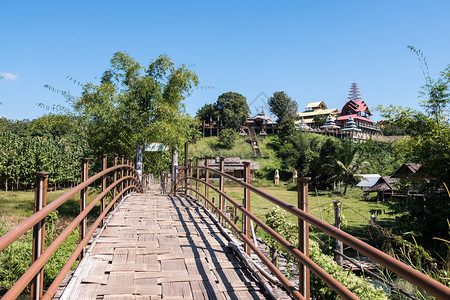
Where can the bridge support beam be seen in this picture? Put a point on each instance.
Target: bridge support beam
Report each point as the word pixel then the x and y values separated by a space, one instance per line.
pixel 303 236
pixel 40 200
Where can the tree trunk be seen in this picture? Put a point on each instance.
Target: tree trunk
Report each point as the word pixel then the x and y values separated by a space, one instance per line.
pixel 6 185
pixel 345 187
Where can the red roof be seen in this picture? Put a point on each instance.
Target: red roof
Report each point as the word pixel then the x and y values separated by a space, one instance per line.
pixel 356 106
pixel 355 116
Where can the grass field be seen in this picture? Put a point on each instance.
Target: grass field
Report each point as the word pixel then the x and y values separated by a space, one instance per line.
pixel 17 206
pixel 356 210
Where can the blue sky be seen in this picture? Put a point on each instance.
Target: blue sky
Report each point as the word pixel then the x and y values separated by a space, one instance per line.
pixel 312 50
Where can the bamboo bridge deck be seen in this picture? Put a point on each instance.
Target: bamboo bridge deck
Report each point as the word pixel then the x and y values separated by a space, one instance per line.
pixel 161 247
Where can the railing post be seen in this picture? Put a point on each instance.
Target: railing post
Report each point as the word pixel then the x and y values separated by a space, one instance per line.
pixel 83 200
pixel 114 178
pixel 190 175
pixel 221 198
pixel 122 160
pixel 197 172
pixel 40 200
pixel 207 181
pixel 186 145
pixel 337 224
pixel 247 206
pixel 104 167
pixel 303 236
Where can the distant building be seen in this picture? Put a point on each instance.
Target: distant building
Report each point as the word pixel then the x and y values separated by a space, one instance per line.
pixel 359 111
pixel 312 110
pixel 233 166
pixel 261 123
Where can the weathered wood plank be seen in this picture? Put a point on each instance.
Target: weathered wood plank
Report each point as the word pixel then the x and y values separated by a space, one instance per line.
pixel 158 247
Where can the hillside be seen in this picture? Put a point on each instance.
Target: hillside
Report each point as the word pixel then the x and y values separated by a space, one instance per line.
pixel 209 146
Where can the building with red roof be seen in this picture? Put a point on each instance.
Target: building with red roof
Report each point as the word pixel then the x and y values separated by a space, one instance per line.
pixel 359 111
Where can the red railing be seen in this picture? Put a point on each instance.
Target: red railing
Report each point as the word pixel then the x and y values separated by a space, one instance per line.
pixel 125 180
pixel 301 253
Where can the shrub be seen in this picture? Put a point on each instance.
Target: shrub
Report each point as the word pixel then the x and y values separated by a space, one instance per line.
pixel 227 138
pixel 360 286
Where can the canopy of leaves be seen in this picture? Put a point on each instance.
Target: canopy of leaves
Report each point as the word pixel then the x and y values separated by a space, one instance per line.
pixel 282 106
pixel 135 103
pixel 227 138
pixel 207 113
pixel 232 109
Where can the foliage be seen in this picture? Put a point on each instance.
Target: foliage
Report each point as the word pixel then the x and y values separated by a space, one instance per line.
pixel 282 106
pixel 389 129
pixel 15 259
pixel 134 103
pixel 320 120
pixel 346 164
pixel 298 150
pixel 384 158
pixel 428 144
pixel 227 138
pixel 232 109
pixel 287 129
pixel 22 156
pixel 360 286
pixel 207 113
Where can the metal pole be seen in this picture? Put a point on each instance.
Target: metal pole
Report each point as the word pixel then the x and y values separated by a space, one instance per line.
pixel 83 200
pixel 303 236
pixel 122 160
pixel 40 200
pixel 190 175
pixel 186 148
pixel 104 167
pixel 247 206
pixel 115 177
pixel 207 181
pixel 197 171
pixel 139 167
pixel 174 169
pixel 337 224
pixel 222 204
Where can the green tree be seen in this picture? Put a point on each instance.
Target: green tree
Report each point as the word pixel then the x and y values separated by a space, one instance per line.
pixel 207 113
pixel 227 138
pixel 282 106
pixel 135 103
pixel 232 110
pixel 347 164
pixel 287 129
pixel 320 120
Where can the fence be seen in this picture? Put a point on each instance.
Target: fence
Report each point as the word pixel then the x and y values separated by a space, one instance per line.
pixel 202 187
pixel 124 179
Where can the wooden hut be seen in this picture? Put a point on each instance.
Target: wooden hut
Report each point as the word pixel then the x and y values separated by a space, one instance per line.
pixel 385 187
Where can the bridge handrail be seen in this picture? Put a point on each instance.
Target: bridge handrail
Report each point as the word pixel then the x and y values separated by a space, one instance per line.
pixel 328 279
pixel 419 279
pixel 12 235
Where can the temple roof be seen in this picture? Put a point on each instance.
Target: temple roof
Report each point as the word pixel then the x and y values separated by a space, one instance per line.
pixel 355 107
pixel 318 105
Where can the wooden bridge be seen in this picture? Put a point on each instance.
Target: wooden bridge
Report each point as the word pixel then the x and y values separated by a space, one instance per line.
pixel 161 247
pixel 147 245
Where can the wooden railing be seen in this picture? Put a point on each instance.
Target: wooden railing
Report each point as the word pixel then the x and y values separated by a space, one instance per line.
pixel 196 180
pixel 125 179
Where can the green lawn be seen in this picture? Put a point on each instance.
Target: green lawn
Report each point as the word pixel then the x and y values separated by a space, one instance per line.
pixel 356 210
pixel 17 206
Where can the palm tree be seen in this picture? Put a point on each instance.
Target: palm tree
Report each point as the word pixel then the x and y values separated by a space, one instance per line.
pixel 347 164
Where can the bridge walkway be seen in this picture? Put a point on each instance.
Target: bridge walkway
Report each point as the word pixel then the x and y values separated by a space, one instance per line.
pixel 161 247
